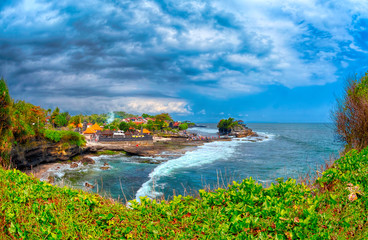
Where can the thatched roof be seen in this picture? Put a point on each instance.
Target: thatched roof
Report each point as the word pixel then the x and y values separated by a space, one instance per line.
pixel 96 127
pixel 146 131
pixel 89 131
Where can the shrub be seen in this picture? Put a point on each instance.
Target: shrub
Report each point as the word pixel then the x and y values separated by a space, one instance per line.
pixel 183 126
pixel 5 124
pixel 73 138
pixel 351 114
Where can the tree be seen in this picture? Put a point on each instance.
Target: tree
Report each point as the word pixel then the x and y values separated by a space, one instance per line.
pixel 225 125
pixel 121 114
pixel 145 115
pixel 76 119
pixel 54 114
pixel 351 114
pixel 124 126
pixel 5 125
pixel 163 117
pixel 28 121
pixel 61 120
pixel 183 126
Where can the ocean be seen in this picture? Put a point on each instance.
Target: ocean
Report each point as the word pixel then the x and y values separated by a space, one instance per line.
pixel 281 151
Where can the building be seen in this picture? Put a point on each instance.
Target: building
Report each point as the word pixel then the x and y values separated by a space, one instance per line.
pixel 89 134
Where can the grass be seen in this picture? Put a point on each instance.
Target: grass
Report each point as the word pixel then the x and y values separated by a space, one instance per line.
pixel 109 152
pixel 66 137
pixel 334 207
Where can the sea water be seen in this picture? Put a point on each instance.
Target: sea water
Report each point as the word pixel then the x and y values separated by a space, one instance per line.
pixel 281 150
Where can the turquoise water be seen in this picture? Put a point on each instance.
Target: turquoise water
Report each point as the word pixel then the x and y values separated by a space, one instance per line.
pixel 282 150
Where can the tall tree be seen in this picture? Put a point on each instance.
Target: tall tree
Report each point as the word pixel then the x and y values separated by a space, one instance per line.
pixel 5 125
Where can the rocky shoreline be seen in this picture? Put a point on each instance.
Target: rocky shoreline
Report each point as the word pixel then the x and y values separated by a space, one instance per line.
pixel 162 148
pixel 156 150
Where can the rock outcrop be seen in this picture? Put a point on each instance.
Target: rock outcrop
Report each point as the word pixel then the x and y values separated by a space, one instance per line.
pixel 35 152
pixel 241 132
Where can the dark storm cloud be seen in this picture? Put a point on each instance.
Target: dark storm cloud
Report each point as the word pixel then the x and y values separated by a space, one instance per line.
pixel 158 49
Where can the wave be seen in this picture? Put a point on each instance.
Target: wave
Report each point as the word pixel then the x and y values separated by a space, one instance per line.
pixel 262 137
pixel 59 170
pixel 205 154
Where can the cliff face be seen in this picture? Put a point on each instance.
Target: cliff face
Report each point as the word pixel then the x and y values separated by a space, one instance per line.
pixel 36 152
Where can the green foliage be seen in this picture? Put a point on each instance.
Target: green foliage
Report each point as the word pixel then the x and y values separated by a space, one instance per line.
pixel 225 125
pixel 54 114
pixel 76 119
pixel 109 152
pixel 351 114
pixel 183 126
pixel 28 121
pixel 70 137
pixel 5 124
pixel 31 209
pixel 145 115
pixel 62 119
pixel 114 125
pixel 100 119
pixel 122 115
pixel 163 117
pixel 124 126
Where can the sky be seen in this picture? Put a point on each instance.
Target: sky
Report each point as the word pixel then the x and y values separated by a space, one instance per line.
pixel 260 61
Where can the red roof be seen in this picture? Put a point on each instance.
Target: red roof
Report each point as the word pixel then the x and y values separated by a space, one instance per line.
pixel 138 123
pixel 176 124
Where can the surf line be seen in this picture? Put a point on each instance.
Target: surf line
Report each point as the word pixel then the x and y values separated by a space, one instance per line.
pixel 206 154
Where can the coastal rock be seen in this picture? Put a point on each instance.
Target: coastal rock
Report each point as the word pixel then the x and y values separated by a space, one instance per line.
pixel 87 160
pixel 104 168
pixel 36 152
pixel 50 179
pixel 74 165
pixel 89 185
pixel 244 133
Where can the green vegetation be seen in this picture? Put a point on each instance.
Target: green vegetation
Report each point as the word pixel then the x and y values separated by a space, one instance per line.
pixel 28 121
pixel 6 134
pixel 333 208
pixel 225 125
pixel 21 122
pixel 351 114
pixel 109 152
pixel 122 115
pixel 69 137
pixel 164 117
pixel 183 126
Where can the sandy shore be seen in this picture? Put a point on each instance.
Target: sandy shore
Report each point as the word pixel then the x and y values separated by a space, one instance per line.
pixel 40 170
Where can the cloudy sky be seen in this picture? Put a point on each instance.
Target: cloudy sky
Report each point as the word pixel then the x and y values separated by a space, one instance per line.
pixel 264 61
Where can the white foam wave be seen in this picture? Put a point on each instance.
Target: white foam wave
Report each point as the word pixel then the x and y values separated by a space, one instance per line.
pixel 262 137
pixel 205 154
pixel 59 170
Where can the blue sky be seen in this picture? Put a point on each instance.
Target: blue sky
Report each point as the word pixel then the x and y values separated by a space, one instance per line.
pixel 261 61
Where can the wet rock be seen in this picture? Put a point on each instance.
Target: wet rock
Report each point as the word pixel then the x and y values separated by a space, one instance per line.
pixel 50 179
pixel 87 160
pixel 74 165
pixel 106 164
pixel 104 168
pixel 36 152
pixel 89 185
